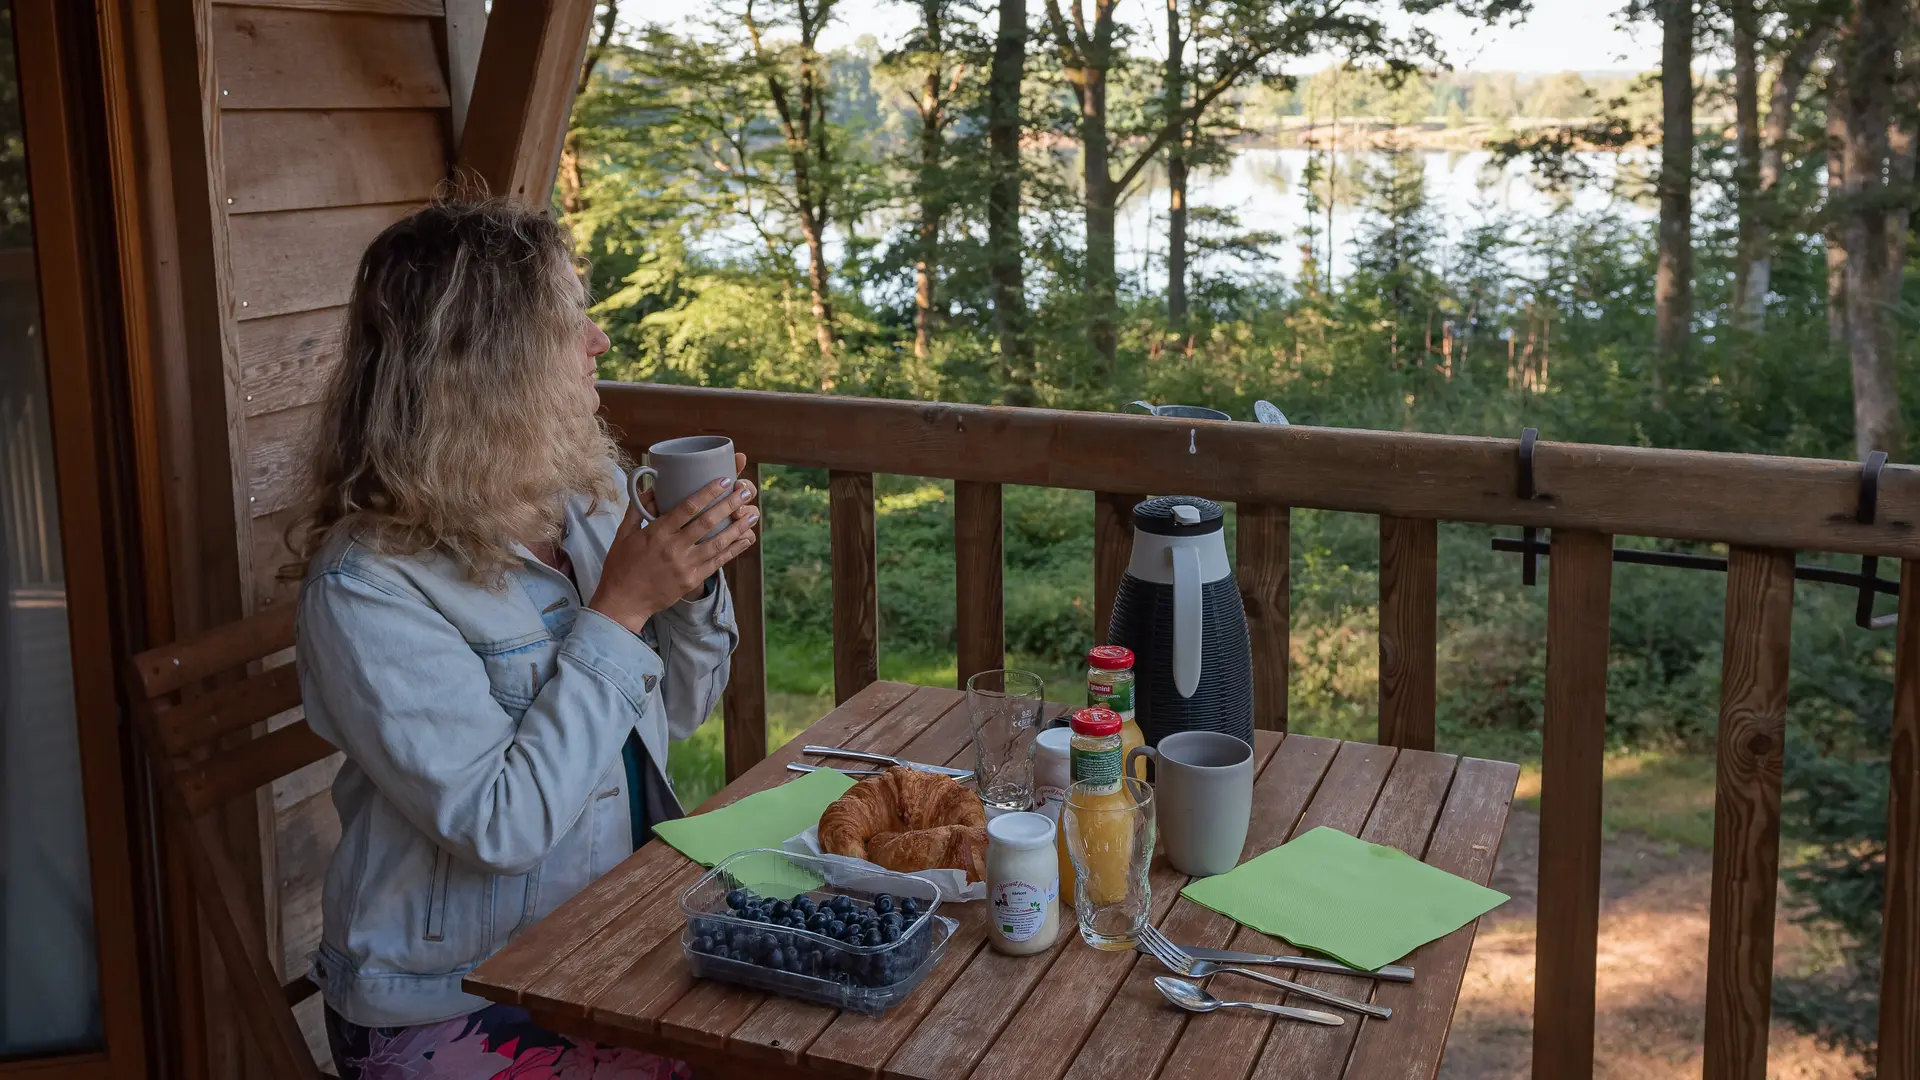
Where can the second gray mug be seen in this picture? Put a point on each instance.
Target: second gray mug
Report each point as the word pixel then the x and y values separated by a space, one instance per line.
pixel 1203 783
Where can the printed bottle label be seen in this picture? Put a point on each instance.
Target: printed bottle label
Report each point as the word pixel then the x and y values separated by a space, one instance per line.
pixel 1020 908
pixel 1111 695
pixel 1101 768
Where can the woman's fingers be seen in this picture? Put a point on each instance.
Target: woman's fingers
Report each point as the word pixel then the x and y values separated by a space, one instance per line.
pixel 727 546
pixel 678 518
pixel 720 512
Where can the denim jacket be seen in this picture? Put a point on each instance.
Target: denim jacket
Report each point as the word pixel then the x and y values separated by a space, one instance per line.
pixel 483 727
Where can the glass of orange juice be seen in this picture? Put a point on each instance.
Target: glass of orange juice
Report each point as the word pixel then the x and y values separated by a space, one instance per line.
pixel 1110 834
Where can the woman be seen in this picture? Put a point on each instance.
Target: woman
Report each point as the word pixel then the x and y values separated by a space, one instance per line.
pixel 487 632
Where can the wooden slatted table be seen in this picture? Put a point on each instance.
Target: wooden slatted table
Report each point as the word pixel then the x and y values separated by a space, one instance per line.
pixel 607 964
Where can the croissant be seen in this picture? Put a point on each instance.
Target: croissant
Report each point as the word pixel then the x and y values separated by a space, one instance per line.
pixel 908 820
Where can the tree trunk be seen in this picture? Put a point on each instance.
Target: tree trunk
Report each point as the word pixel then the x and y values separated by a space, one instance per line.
pixel 1673 276
pixel 1102 278
pixel 1003 204
pixel 813 230
pixel 1176 101
pixel 568 178
pixel 1837 135
pixel 1746 170
pixel 932 117
pixel 1875 33
pixel 1774 133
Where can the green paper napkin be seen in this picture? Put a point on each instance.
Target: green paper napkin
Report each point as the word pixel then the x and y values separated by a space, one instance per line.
pixel 761 820
pixel 1363 904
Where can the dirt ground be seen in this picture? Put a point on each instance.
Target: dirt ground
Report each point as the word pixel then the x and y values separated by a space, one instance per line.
pixel 1652 971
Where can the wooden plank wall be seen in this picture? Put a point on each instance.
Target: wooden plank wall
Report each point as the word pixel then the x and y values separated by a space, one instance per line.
pixel 334 121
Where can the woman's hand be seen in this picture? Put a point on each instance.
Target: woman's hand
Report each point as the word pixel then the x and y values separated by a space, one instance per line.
pixel 647 569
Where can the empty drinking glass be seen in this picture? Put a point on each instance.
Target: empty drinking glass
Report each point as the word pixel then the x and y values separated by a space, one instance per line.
pixel 1006 708
pixel 1110 836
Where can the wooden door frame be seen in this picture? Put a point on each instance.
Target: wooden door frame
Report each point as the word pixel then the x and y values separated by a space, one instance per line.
pixel 59 64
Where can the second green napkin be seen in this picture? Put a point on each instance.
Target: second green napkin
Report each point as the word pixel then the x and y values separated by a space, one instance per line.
pixel 760 820
pixel 1363 904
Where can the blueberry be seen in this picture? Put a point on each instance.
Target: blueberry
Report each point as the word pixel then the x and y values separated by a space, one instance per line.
pixel 703 944
pixel 737 899
pixel 843 903
pixel 910 908
pixel 777 959
pixel 872 938
pixel 720 952
pixel 780 909
pixel 836 928
pixel 889 934
pixel 883 903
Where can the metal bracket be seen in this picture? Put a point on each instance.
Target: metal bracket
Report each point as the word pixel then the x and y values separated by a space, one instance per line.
pixel 1529 559
pixel 1868 580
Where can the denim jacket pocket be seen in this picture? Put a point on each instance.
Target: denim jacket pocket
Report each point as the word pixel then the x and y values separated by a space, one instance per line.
pixel 437 896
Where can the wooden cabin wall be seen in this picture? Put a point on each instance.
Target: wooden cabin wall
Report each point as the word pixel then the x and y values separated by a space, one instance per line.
pixel 334 120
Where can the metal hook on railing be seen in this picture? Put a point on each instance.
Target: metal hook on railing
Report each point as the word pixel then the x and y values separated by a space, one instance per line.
pixel 1529 558
pixel 1864 513
pixel 1868 580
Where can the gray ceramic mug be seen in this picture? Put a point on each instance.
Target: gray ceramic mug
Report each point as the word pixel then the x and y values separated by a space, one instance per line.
pixel 680 468
pixel 1203 785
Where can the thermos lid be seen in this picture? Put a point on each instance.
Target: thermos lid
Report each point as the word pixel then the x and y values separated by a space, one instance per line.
pixel 1096 721
pixel 1175 515
pixel 1110 657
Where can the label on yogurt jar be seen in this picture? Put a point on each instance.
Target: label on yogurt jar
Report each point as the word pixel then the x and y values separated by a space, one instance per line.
pixel 1048 799
pixel 1020 908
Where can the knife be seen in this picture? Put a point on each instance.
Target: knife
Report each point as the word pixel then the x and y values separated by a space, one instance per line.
pixel 1390 973
pixel 888 759
pixel 795 766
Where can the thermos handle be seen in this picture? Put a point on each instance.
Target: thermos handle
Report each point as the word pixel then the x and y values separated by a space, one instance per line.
pixel 1186 619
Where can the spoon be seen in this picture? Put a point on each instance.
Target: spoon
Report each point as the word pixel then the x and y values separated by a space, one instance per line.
pixel 1202 969
pixel 1192 998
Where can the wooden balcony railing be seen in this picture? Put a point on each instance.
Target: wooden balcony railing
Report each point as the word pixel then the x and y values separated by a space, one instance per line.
pixel 1764 508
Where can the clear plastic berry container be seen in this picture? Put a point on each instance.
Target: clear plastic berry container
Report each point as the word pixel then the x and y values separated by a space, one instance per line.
pixel 740 928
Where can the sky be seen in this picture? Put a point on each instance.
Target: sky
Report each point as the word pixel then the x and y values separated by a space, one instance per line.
pixel 1560 35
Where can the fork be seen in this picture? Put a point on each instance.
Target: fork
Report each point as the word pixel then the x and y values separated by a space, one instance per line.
pixel 1177 960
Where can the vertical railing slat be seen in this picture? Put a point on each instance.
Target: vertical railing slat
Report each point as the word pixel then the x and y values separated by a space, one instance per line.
pixel 1746 811
pixel 1900 925
pixel 1263 549
pixel 744 704
pixel 856 608
pixel 1409 568
pixel 978 578
pixel 1112 546
pixel 1579 588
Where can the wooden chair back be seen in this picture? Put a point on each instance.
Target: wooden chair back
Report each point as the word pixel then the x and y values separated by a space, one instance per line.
pixel 194 702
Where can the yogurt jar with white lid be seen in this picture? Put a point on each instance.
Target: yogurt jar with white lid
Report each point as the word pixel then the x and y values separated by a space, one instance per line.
pixel 1023 883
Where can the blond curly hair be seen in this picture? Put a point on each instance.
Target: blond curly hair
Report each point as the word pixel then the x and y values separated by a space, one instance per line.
pixel 455 421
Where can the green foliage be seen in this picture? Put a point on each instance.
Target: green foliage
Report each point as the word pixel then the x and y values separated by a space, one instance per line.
pixel 687 217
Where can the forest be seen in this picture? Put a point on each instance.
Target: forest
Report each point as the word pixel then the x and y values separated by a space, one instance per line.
pixel 1015 202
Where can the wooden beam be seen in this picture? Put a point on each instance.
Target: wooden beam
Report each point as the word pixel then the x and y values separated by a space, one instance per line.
pixel 1788 503
pixel 1112 547
pixel 1579 589
pixel 1263 549
pixel 523 95
pixel 856 598
pixel 1746 812
pixel 1900 939
pixel 1409 580
pixel 978 579
pixel 466 34
pixel 744 705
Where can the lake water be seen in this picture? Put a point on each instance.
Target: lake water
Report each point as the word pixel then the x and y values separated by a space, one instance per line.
pixel 1262 187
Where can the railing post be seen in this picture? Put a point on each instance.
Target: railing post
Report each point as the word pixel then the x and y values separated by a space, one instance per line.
pixel 1579 589
pixel 1746 811
pixel 1112 546
pixel 1262 546
pixel 978 578
pixel 744 705
pixel 1409 569
pixel 856 604
pixel 1900 926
